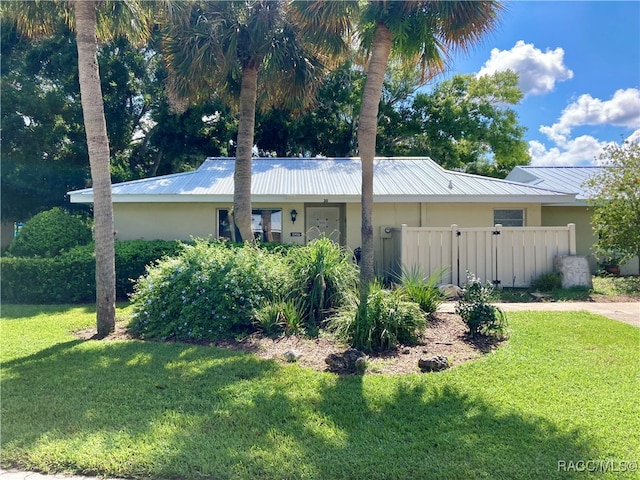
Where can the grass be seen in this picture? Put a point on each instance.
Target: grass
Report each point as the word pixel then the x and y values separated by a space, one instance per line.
pixel 613 288
pixel 563 388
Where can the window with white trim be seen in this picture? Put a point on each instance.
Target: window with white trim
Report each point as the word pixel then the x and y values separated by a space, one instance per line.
pixel 509 217
pixel 266 224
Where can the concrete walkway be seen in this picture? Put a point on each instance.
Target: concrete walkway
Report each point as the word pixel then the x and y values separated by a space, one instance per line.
pixel 627 312
pixel 18 475
pixel 623 312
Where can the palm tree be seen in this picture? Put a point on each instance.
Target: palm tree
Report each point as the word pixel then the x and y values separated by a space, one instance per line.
pixel 419 33
pixel 38 18
pixel 237 49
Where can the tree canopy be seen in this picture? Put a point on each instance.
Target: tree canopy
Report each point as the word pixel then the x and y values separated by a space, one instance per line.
pixel 465 123
pixel 614 197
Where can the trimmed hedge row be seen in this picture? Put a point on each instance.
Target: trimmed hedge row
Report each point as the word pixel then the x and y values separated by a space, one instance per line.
pixel 70 277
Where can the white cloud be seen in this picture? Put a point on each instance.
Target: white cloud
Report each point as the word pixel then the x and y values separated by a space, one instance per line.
pixel 582 150
pixel 622 110
pixel 634 137
pixel 539 71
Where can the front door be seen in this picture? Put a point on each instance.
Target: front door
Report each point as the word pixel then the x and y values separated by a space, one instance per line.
pixel 324 220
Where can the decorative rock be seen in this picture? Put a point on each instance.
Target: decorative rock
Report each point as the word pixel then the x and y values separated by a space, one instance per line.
pixel 406 351
pixel 434 364
pixel 540 296
pixel 292 356
pixel 346 362
pixel 574 271
pixel 450 291
pixel 361 365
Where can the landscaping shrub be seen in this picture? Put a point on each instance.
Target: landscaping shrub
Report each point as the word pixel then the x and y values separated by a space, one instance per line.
pixel 70 276
pixel 66 278
pixel 50 233
pixel 386 321
pixel 547 282
pixel 133 256
pixel 420 289
pixel 476 311
pixel 276 317
pixel 323 277
pixel 208 291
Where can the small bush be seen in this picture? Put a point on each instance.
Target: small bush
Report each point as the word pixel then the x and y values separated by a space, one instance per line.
pixel 323 277
pixel 208 291
pixel 422 290
pixel 50 233
pixel 476 311
pixel 547 282
pixel 386 321
pixel 276 317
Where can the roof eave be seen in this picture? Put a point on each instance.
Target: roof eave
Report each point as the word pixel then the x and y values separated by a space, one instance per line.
pixel 200 198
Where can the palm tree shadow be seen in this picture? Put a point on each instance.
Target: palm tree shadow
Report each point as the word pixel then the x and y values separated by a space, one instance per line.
pixel 443 432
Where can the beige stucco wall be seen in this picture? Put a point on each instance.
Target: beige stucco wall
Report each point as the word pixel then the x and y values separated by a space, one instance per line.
pixel 163 221
pixel 476 214
pixel 558 216
pixel 183 221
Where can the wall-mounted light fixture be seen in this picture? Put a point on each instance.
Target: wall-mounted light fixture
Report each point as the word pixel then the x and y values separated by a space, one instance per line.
pixel 294 215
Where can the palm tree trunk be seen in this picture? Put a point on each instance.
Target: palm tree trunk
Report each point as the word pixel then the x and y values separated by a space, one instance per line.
pixel 367 128
pixel 242 174
pixel 98 146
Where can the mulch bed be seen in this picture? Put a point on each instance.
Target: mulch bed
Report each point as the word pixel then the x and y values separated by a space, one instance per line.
pixel 445 335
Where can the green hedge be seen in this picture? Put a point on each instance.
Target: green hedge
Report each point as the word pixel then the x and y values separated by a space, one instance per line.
pixel 67 278
pixel 70 277
pixel 50 233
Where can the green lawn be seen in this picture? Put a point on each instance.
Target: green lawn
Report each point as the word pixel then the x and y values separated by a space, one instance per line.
pixel 565 387
pixel 606 288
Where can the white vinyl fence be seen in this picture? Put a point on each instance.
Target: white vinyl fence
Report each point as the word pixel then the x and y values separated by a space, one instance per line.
pixel 505 256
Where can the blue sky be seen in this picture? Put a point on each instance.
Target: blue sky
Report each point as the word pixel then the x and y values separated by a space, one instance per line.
pixel 579 67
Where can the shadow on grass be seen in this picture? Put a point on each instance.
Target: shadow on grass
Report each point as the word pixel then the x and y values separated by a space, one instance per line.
pixel 183 411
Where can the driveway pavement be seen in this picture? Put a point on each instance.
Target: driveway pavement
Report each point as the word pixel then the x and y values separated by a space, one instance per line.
pixel 627 312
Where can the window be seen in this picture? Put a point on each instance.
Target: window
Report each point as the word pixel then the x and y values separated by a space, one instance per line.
pixel 265 223
pixel 509 217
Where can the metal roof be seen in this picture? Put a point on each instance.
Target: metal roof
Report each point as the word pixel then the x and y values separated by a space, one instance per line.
pixel 564 179
pixel 327 179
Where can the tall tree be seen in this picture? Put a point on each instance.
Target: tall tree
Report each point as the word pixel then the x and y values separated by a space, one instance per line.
pixel 465 123
pixel 44 154
pixel 39 18
pixel 44 149
pixel 421 33
pixel 614 197
pixel 237 49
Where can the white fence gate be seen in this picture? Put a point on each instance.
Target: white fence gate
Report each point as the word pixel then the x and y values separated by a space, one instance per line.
pixel 505 256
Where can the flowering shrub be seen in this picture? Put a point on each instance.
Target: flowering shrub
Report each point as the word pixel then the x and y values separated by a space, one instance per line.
pixel 208 291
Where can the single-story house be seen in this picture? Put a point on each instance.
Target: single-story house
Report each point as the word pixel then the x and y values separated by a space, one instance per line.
pixel 568 179
pixel 297 199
